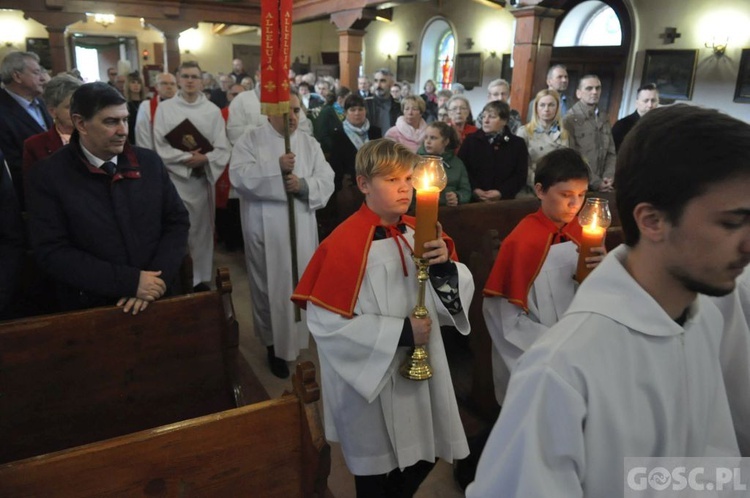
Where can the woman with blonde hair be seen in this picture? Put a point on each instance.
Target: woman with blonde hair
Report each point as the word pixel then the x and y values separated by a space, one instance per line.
pixel 410 127
pixel 544 132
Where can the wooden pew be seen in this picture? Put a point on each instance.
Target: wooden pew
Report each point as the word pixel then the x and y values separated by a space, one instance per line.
pixel 75 378
pixel 274 448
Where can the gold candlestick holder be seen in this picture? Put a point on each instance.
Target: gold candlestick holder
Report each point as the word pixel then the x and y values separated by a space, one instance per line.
pixel 416 366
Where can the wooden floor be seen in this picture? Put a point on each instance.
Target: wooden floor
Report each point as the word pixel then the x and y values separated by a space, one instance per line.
pixel 439 484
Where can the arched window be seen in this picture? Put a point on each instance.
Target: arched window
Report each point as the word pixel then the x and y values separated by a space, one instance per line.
pixel 437 53
pixel 444 60
pixel 590 23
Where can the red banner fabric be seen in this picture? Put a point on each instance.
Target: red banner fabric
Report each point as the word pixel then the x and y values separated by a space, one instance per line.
pixel 276 35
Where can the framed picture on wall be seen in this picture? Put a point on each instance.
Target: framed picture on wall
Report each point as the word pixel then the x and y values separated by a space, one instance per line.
pixel 40 46
pixel 469 70
pixel 406 68
pixel 673 72
pixel 742 90
pixel 506 72
pixel 150 72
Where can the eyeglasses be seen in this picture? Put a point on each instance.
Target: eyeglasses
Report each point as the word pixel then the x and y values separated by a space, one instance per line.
pixel 190 76
pixel 457 109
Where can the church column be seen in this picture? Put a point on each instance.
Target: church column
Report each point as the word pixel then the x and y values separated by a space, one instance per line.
pixel 56 23
pixel 532 50
pixel 351 26
pixel 171 29
pixel 350 56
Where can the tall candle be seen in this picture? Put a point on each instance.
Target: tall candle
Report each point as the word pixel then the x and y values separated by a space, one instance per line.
pixel 593 236
pixel 427 215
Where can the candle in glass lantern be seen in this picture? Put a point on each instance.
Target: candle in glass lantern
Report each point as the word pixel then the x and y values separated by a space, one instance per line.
pixel 429 179
pixel 594 218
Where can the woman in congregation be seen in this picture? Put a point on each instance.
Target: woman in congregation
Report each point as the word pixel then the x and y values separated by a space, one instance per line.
pixel 135 93
pixel 497 160
pixel 57 95
pixel 543 133
pixel 329 118
pixel 441 140
pixel 459 111
pixel 410 128
pixel 430 100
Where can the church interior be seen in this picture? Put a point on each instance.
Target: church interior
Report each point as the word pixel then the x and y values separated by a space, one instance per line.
pixel 699 52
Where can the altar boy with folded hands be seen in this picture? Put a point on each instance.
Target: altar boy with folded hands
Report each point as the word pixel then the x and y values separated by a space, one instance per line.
pixel 359 290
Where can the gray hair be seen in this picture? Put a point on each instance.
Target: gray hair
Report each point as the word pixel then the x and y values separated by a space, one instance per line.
pixel 15 62
pixel 59 88
pixel 385 72
pixel 498 82
pixel 556 66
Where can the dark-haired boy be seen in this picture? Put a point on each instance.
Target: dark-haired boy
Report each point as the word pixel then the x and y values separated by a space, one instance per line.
pixel 105 221
pixel 531 283
pixel 632 369
pixel 359 290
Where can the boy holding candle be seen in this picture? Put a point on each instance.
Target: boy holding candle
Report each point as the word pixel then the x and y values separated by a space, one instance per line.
pixel 531 283
pixel 359 290
pixel 633 369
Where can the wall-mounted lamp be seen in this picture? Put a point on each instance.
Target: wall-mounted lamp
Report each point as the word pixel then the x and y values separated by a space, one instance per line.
pixel 104 19
pixel 719 48
pixel 8 43
pixel 409 46
pixel 469 43
pixel 493 54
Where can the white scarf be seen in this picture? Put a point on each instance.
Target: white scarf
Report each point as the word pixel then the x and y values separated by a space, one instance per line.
pixel 358 136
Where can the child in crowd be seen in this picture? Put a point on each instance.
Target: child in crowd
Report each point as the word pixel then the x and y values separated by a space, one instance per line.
pixel 359 290
pixel 440 139
pixel 531 283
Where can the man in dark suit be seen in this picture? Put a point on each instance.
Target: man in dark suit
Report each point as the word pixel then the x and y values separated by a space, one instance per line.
pixel 105 221
pixel 22 113
pixel 646 99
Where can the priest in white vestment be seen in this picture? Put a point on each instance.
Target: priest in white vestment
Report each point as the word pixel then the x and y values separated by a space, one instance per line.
pixel 194 173
pixel 257 172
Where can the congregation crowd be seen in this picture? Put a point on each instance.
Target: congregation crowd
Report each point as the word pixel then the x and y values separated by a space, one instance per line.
pixel 111 187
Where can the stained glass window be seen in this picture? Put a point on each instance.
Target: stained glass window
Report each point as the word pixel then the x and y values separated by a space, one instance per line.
pixel 444 63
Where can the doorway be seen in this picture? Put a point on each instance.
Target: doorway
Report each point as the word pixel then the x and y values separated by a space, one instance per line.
pixel 93 55
pixel 594 37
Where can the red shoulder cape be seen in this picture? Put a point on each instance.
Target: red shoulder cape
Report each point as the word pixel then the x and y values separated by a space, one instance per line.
pixel 522 255
pixel 334 274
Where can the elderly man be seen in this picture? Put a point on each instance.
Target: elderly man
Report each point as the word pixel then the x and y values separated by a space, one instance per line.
pixel 557 80
pixel 106 223
pixel 363 86
pixel 166 88
pixel 382 109
pixel 591 134
pixel 238 71
pixel 647 98
pixel 499 89
pixel 194 170
pixel 263 174
pixel 22 112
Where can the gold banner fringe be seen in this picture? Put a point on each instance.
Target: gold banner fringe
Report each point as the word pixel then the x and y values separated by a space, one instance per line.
pixel 274 109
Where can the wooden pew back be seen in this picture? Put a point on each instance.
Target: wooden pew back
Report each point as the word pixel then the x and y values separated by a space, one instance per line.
pixel 74 378
pixel 273 448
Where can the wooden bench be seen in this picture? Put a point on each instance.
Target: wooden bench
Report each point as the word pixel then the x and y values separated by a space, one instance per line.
pixel 75 378
pixel 274 448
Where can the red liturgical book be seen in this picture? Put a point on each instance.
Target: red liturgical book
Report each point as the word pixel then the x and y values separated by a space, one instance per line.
pixel 185 136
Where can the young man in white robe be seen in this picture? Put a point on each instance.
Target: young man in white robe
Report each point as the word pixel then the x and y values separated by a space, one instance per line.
pixel 531 283
pixel 735 356
pixel 262 173
pixel 632 369
pixel 359 290
pixel 194 173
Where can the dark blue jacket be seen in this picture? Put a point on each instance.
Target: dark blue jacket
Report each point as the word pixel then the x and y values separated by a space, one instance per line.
pixel 93 234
